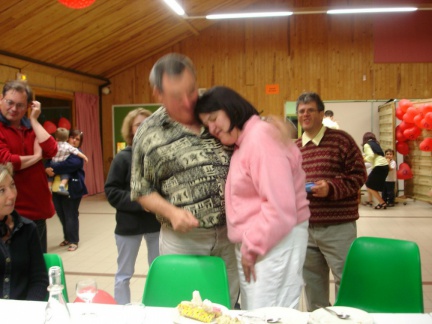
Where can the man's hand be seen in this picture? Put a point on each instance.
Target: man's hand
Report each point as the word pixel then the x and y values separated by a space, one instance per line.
pixel 249 268
pixel 183 221
pixel 35 110
pixel 320 189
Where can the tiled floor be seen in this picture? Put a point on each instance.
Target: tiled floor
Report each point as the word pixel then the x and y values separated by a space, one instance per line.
pixel 96 255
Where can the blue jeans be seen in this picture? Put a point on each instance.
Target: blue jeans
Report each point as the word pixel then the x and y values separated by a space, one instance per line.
pixel 67 211
pixel 127 248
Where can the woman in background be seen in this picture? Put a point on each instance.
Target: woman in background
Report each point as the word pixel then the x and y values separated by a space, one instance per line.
pixel 23 271
pixel 265 199
pixel 132 222
pixel 67 206
pixel 375 182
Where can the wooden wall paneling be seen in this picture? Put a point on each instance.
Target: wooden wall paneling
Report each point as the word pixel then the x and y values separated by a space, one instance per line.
pixel 387 124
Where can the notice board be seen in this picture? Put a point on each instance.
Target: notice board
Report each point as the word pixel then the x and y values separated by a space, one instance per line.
pixel 119 112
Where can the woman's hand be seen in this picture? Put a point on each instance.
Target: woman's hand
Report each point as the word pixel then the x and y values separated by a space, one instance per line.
pixel 248 266
pixel 50 172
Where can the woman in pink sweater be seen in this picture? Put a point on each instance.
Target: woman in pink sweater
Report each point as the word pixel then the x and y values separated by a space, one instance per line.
pixel 266 206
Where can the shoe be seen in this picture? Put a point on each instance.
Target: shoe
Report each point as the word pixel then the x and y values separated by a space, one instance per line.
pixel 367 203
pixel 72 247
pixel 62 191
pixel 64 243
pixel 381 206
pixel 390 205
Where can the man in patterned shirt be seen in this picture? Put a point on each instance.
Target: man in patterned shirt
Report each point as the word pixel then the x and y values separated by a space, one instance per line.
pixel 179 170
pixel 333 162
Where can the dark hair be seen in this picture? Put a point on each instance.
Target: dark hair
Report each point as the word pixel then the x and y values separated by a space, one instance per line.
pixel 369 136
pixel 77 132
pixel 328 113
pixel 19 86
pixel 237 108
pixel 307 97
pixel 172 64
pixel 389 150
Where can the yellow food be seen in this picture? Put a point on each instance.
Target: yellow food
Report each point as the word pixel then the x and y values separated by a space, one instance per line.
pixel 196 312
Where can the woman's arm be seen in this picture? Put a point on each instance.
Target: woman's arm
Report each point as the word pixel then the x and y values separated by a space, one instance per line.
pixel 71 164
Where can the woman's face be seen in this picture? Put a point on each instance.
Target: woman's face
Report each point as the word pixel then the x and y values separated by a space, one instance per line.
pixel 75 141
pixel 8 193
pixel 218 124
pixel 136 123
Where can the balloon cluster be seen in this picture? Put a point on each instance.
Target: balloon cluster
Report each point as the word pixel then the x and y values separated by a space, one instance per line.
pixel 51 128
pixel 413 121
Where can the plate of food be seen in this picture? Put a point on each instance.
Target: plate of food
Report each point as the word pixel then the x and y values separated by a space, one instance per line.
pixel 198 311
pixel 352 315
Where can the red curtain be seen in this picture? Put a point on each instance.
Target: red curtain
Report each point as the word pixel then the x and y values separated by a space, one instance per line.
pixel 87 117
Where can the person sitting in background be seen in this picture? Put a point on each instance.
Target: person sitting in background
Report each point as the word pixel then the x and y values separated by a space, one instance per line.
pixel 64 151
pixel 133 222
pixel 265 199
pixel 23 271
pixel 388 194
pixel 375 182
pixel 328 120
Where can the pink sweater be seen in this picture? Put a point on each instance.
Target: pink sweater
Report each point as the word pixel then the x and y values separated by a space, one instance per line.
pixel 265 190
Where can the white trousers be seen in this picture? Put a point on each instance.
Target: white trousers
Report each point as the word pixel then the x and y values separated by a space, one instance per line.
pixel 204 241
pixel 127 248
pixel 279 273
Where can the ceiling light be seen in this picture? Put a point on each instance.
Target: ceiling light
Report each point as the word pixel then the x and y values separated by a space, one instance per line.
pixel 370 10
pixel 173 4
pixel 250 15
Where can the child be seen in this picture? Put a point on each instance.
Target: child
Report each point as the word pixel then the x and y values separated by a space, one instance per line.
pixel 388 195
pixel 64 150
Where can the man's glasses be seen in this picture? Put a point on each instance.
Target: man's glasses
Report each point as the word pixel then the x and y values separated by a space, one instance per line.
pixel 10 104
pixel 307 111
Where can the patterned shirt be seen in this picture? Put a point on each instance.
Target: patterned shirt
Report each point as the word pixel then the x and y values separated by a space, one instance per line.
pixel 186 169
pixel 64 150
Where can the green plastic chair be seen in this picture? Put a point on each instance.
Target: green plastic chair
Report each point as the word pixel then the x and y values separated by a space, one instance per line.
pixel 382 275
pixel 172 279
pixel 52 259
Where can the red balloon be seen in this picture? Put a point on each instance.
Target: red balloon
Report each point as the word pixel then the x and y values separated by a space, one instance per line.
pixel 50 127
pixel 404 125
pixel 64 122
pixel 426 122
pixel 410 114
pixel 404 172
pixel 402 148
pixel 101 297
pixel 412 133
pixel 404 104
pixel 399 113
pixel 426 145
pixel 426 109
pixel 418 119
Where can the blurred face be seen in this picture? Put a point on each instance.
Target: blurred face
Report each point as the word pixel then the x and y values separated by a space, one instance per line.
pixel 389 155
pixel 136 123
pixel 14 106
pixel 8 193
pixel 75 141
pixel 218 124
pixel 310 118
pixel 179 96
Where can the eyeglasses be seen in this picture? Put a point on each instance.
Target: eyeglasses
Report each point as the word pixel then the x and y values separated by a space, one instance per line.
pixel 10 104
pixel 307 111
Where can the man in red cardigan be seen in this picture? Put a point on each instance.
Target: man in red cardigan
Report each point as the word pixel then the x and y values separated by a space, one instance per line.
pixel 334 164
pixel 24 142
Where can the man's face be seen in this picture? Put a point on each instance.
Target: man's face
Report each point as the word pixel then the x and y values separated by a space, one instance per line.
pixel 13 106
pixel 179 96
pixel 309 117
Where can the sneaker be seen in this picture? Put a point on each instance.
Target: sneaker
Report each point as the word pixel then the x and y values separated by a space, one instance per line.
pixel 62 191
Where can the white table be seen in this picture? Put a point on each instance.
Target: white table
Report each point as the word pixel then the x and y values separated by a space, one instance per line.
pixel 13 311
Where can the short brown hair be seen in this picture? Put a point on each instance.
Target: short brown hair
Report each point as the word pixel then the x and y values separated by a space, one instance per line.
pixel 61 134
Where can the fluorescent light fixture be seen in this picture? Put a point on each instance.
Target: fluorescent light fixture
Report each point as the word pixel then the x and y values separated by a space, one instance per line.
pixel 250 15
pixel 370 10
pixel 173 4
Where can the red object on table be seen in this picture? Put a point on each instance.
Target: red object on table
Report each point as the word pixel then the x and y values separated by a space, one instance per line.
pixel 101 297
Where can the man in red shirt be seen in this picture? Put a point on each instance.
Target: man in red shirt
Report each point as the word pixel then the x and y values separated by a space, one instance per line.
pixel 24 142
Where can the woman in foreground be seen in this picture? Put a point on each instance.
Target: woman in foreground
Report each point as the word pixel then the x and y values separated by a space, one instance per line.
pixel 266 206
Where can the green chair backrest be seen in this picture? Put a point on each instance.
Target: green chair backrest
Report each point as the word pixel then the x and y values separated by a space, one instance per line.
pixel 382 275
pixel 52 259
pixel 172 279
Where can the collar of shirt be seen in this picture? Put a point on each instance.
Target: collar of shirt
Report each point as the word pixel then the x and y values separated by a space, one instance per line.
pixel 316 140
